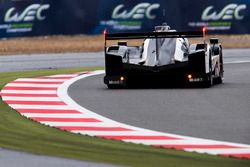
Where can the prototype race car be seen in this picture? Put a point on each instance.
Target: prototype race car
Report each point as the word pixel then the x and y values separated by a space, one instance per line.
pixel 164 58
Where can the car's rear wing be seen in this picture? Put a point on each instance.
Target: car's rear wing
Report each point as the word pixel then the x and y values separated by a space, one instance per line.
pixel 189 34
pixel 169 34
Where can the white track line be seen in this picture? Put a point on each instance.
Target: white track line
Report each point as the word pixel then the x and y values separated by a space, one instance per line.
pixel 172 142
pixel 56 115
pixel 29 91
pixel 117 133
pixel 48 99
pixel 55 107
pixel 221 151
pixel 40 80
pixel 62 93
pixel 236 62
pixel 63 75
pixel 94 124
pixel 34 85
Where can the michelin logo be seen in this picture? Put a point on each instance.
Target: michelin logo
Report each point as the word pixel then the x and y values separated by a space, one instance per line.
pixel 31 13
pixel 140 11
pixel 229 12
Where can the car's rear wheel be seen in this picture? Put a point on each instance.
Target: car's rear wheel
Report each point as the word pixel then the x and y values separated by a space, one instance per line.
pixel 220 72
pixel 219 80
pixel 209 81
pixel 221 77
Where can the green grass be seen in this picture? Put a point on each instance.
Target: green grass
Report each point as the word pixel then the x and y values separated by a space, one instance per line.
pixel 19 133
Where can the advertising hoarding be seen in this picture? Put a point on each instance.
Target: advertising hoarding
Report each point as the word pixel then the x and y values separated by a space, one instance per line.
pixel 52 17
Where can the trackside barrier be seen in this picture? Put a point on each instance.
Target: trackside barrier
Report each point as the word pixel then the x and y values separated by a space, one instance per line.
pixel 50 17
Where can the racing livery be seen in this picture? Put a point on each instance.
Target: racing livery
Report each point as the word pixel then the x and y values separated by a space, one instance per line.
pixel 164 58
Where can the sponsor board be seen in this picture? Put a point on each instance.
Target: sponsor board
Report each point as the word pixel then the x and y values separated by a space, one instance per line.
pixel 129 16
pixel 221 19
pixel 64 17
pixel 16 20
pixel 21 18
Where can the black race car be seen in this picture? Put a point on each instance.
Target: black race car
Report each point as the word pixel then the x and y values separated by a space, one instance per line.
pixel 165 57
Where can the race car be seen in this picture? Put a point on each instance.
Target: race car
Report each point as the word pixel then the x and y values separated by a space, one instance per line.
pixel 165 57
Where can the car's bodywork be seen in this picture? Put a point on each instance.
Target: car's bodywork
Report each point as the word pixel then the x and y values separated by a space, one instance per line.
pixel 164 58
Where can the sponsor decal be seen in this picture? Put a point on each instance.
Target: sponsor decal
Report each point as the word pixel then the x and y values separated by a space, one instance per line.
pixel 196 80
pixel 220 20
pixel 16 21
pixel 140 11
pixel 231 11
pixel 125 19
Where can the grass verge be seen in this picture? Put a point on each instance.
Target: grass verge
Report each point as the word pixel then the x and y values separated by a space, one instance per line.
pixel 19 133
pixel 85 43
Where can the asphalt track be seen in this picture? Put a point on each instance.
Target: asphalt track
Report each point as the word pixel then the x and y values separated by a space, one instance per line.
pixel 220 113
pixel 20 159
pixel 70 60
pixel 50 61
pixel 236 86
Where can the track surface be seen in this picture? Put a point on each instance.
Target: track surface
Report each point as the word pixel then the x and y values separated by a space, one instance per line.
pixel 220 112
pixel 70 60
pixel 20 159
pixel 51 61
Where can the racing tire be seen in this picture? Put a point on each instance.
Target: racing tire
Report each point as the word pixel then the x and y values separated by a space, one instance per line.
pixel 221 75
pixel 219 79
pixel 209 82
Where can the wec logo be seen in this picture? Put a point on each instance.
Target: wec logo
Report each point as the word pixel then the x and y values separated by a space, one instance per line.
pixel 138 12
pixel 31 13
pixel 229 12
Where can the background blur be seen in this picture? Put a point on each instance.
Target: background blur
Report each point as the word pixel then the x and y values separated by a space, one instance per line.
pixel 21 18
